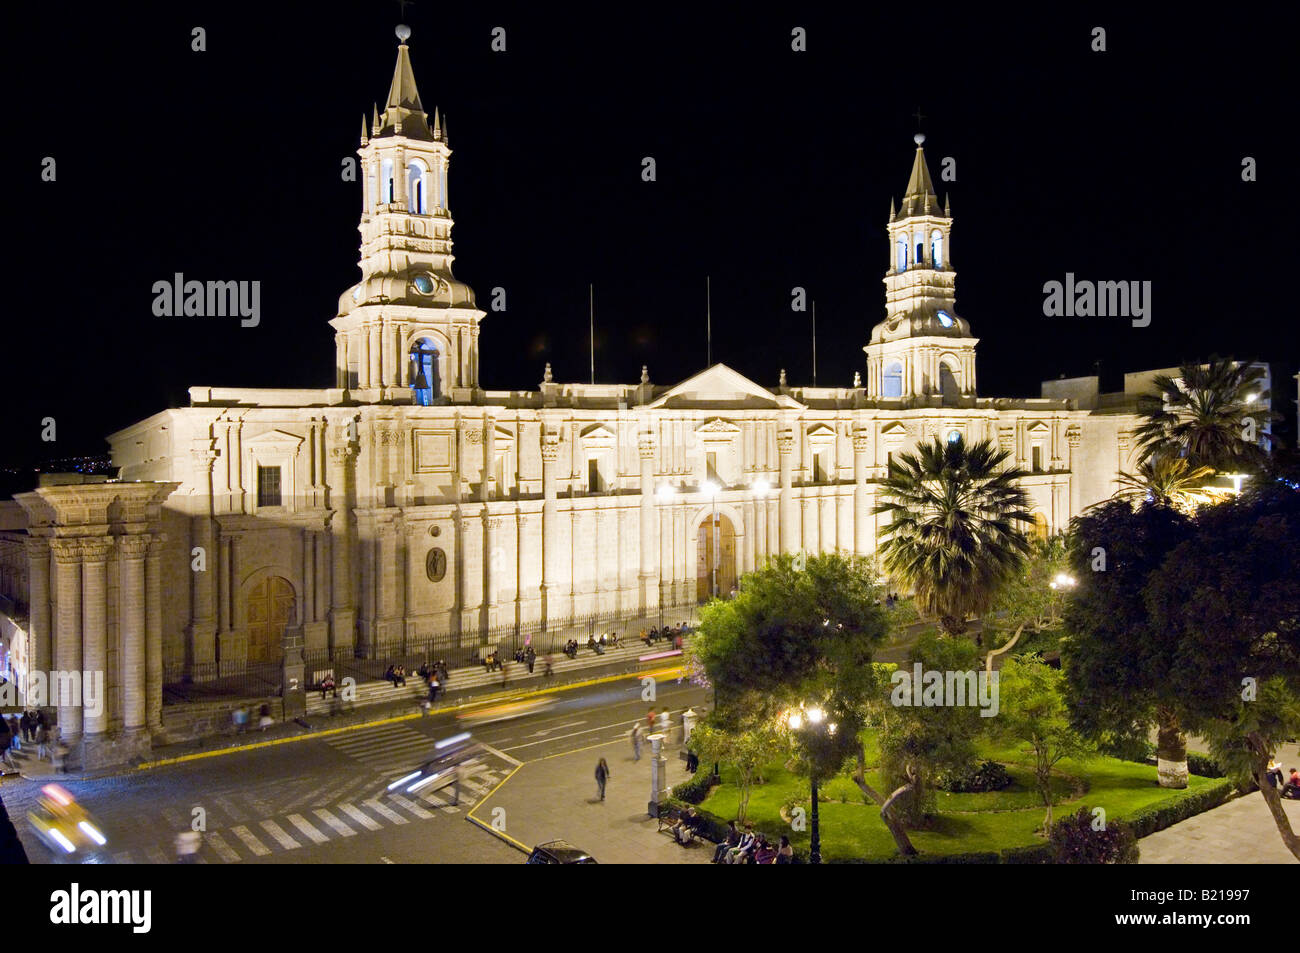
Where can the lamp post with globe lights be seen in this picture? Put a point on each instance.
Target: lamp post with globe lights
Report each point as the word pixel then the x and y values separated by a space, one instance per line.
pixel 711 490
pixel 811 721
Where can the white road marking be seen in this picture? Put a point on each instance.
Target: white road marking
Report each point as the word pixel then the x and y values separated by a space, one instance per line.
pixel 384 811
pixel 505 757
pixel 281 838
pixel 546 731
pixel 251 842
pixel 572 734
pixel 224 850
pixel 300 822
pixel 411 806
pixel 360 816
pixel 334 822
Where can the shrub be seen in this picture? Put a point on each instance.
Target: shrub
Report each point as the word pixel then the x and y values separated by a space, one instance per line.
pixel 1076 842
pixel 1159 816
pixel 976 779
pixel 1139 750
pixel 696 788
pixel 1204 765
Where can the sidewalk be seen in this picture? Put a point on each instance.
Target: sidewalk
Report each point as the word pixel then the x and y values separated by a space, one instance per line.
pixel 555 799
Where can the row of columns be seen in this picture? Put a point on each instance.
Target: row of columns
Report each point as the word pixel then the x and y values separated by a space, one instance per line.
pixel 74 636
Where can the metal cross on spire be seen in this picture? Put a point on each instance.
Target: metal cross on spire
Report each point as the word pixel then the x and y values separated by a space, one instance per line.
pixel 919 116
pixel 402 5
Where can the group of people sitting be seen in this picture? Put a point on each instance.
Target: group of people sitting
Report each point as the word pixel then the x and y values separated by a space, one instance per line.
pixel 1291 789
pixel 667 633
pixel 751 848
pixel 492 662
pixel 396 674
pixel 688 826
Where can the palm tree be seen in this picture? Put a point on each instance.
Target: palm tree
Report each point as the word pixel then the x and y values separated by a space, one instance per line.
pixel 1168 481
pixel 1202 416
pixel 956 532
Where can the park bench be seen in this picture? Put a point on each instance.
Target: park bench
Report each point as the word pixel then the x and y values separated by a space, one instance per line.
pixel 668 819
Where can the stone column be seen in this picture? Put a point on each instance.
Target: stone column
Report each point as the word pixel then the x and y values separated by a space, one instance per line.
pixel 132 631
pixel 153 638
pixel 489 458
pixel 41 655
pixel 308 587
pixel 550 530
pixel 666 577
pixel 789 533
pixel 649 524
pixel 343 625
pixel 94 639
pixel 376 357
pixel 747 559
pixel 203 625
pixel 223 591
pixel 1073 436
pixel 67 639
pixel 861 504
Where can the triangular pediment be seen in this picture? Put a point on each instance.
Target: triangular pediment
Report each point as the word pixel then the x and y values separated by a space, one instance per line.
pixel 598 433
pixel 720 386
pixel 896 429
pixel 716 426
pixel 1037 427
pixel 821 432
pixel 277 439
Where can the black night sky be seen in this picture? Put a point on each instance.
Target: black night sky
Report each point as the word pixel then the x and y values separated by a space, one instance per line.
pixel 775 169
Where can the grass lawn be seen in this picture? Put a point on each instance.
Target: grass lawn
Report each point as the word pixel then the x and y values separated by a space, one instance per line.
pixel 851 827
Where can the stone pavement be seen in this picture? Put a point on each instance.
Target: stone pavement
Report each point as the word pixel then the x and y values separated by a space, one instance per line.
pixel 1241 831
pixel 555 799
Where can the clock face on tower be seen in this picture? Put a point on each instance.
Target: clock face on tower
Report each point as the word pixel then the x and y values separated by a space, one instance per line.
pixel 424 284
pixel 945 319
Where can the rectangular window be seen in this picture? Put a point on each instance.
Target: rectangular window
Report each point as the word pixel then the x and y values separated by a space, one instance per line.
pixel 354 375
pixel 889 460
pixel 594 483
pixel 711 466
pixel 1038 458
pixel 268 486
pixel 819 467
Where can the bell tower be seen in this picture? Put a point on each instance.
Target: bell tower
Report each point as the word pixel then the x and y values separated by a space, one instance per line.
pixel 922 349
pixel 407 332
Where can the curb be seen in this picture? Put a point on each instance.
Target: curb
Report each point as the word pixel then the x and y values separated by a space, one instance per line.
pixel 326 732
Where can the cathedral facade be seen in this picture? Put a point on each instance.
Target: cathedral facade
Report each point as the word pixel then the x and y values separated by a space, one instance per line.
pixel 407 501
pixel 407 505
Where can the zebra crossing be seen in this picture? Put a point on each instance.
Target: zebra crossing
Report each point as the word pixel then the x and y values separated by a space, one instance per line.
pixel 309 827
pixel 391 748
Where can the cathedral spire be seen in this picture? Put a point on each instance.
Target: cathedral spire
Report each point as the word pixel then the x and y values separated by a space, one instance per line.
pixel 920 197
pixel 403 112
pixel 437 124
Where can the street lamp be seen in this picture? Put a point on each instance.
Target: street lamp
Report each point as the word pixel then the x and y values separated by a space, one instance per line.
pixel 712 490
pixel 814 717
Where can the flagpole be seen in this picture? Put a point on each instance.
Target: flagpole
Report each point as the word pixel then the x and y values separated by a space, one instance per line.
pixel 708 314
pixel 814 313
pixel 591 314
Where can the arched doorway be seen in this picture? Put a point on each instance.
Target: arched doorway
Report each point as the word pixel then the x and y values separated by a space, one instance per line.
pixel 269 607
pixel 1040 525
pixel 704 562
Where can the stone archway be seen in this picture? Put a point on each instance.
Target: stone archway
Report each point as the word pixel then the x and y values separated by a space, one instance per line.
pixel 726 537
pixel 268 607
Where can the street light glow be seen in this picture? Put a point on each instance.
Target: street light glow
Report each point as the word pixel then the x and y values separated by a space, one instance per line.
pixel 666 491
pixel 710 488
pixel 761 487
pixel 815 715
pixel 794 721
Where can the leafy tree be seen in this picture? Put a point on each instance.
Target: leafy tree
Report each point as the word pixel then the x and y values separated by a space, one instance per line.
pixel 1118 663
pixel 791 637
pixel 1169 481
pixel 746 747
pixel 918 743
pixel 956 531
pixel 1031 599
pixel 1230 598
pixel 1032 710
pixel 1201 416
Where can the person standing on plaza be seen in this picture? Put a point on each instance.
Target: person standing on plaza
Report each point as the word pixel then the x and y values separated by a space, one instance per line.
pixel 636 741
pixel 602 775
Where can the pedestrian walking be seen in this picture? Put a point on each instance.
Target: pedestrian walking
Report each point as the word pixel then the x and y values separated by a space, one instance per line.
pixel 548 670
pixel 25 722
pixel 187 847
pixel 240 718
pixel 264 717
pixel 42 742
pixel 15 733
pixel 532 659
pixel 636 741
pixel 602 775
pixel 650 722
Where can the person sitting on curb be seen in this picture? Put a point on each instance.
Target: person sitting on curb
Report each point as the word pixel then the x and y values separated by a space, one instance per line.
pixel 327 685
pixel 1291 789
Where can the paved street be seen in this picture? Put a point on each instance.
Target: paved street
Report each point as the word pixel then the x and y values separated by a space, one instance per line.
pixel 323 800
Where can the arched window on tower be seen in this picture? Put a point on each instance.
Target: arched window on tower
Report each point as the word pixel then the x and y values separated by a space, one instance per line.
pixel 372 193
pixel 902 253
pixel 893 380
pixel 936 248
pixel 417 187
pixel 919 240
pixel 948 386
pixel 424 372
pixel 387 184
pixel 442 192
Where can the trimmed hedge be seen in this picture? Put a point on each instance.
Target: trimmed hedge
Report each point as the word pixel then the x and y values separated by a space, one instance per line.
pixel 1159 816
pixel 695 789
pixel 1204 765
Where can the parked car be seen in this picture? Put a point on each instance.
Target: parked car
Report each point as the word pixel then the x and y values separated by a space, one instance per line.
pixel 559 852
